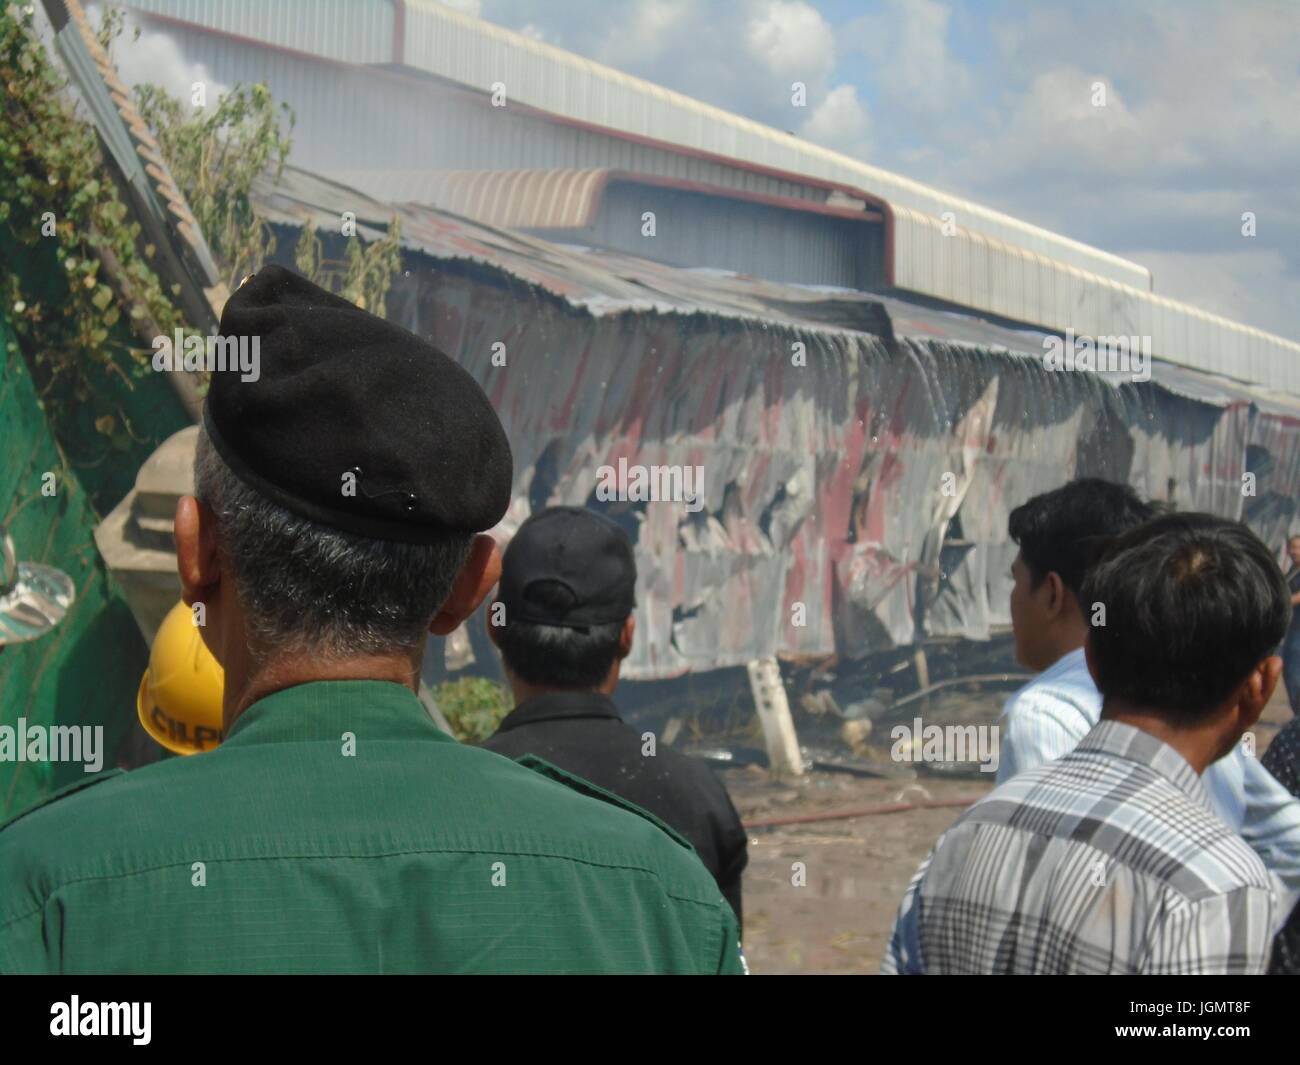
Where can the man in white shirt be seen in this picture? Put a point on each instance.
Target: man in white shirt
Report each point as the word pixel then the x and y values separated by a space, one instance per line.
pixel 1059 533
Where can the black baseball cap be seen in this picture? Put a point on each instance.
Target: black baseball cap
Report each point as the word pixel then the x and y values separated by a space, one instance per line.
pixel 570 567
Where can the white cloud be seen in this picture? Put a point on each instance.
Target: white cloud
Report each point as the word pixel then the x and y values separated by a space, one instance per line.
pixel 1056 127
pixel 742 55
pixel 156 58
pixel 840 122
pixel 792 40
pixel 906 42
pixel 651 30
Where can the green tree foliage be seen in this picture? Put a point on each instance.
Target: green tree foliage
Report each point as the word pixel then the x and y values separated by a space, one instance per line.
pixel 371 268
pixel 215 154
pixel 62 219
pixel 363 275
pixel 473 707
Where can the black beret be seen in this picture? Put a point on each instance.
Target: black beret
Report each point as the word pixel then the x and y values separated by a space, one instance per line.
pixel 340 392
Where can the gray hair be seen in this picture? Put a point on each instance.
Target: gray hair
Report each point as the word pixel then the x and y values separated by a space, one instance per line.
pixel 307 587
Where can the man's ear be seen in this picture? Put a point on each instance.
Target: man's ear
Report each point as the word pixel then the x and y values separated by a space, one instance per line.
pixel 1257 690
pixel 625 637
pixel 197 560
pixel 1057 594
pixel 476 578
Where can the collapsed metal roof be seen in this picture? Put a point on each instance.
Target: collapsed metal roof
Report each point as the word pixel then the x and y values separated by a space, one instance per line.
pixel 836 484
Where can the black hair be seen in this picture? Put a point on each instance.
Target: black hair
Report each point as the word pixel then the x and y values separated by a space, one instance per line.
pixel 556 656
pixel 1193 603
pixel 1064 530
pixel 552 656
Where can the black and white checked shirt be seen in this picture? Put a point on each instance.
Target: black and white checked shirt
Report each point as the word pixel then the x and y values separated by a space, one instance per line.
pixel 1108 860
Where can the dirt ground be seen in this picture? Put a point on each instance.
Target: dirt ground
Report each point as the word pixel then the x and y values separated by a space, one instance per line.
pixel 855 870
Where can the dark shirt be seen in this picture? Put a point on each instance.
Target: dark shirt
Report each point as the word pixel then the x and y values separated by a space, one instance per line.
pixel 581 732
pixel 1282 759
pixel 1293 582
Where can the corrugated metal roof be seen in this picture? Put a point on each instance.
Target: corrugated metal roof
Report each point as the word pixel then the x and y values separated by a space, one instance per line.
pixel 520 199
pixel 973 271
pixel 563 198
pixel 322 27
pixel 599 282
pixel 609 282
pixel 591 114
pixel 474 52
pixel 468 50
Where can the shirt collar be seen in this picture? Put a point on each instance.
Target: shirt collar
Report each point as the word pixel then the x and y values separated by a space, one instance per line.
pixel 1069 663
pixel 1122 740
pixel 325 710
pixel 554 706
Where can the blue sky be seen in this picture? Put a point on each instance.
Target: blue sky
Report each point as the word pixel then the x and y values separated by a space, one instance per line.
pixel 992 99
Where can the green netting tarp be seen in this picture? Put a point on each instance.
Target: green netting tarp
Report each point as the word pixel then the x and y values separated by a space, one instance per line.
pixel 86 671
pixel 143 402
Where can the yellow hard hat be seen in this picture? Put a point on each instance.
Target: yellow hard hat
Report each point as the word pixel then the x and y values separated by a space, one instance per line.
pixel 180 693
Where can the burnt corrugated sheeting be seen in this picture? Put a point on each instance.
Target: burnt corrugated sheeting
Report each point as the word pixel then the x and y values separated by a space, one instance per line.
pixel 824 483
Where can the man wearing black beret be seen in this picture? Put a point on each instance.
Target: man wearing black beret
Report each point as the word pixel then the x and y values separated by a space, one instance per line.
pixel 564 625
pixel 342 493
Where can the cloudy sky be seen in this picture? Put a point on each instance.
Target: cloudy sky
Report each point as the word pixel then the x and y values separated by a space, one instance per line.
pixel 992 99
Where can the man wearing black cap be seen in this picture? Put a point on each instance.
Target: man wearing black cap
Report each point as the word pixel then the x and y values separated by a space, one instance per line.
pixel 563 622
pixel 341 495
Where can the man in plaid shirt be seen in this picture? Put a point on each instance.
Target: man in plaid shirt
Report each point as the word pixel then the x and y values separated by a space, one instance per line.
pixel 1111 859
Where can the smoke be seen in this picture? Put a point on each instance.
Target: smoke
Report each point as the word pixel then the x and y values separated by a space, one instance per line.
pixel 155 58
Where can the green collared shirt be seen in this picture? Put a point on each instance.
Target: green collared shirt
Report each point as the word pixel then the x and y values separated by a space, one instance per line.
pixel 338 830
